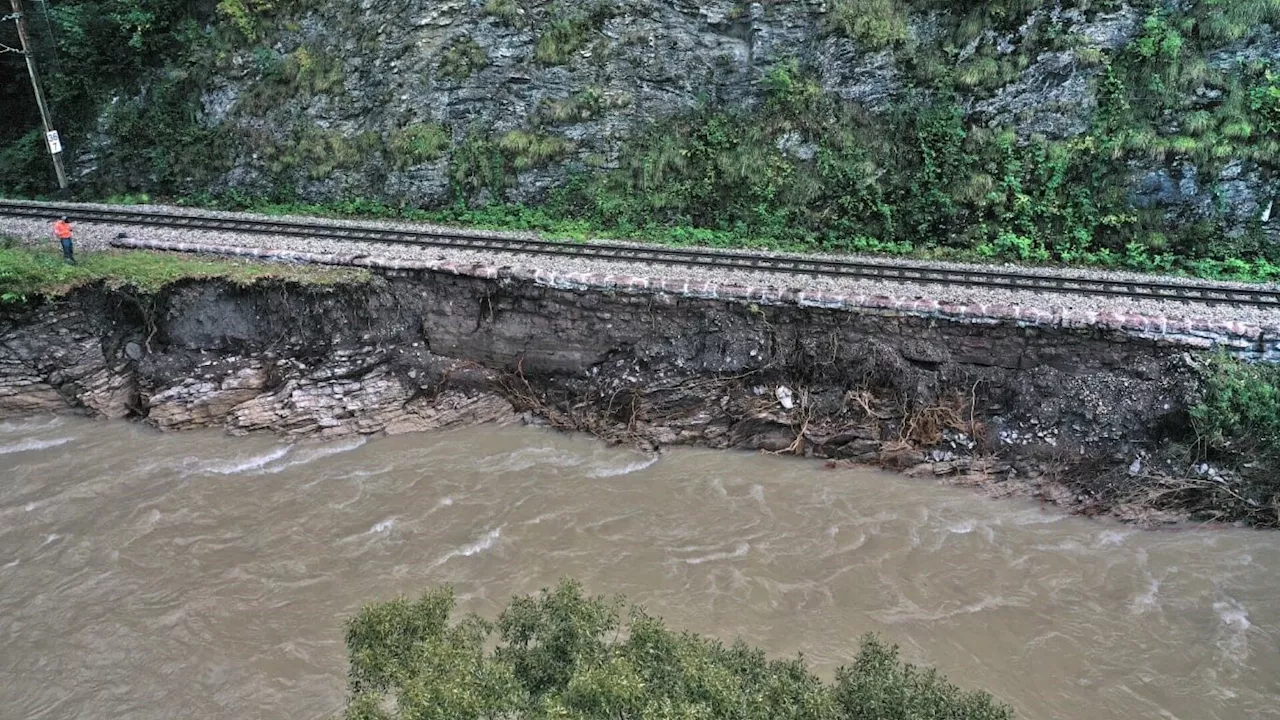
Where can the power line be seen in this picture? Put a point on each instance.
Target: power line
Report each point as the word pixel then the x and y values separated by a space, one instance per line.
pixel 51 135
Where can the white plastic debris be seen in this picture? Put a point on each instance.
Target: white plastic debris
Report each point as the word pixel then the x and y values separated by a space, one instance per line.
pixel 783 394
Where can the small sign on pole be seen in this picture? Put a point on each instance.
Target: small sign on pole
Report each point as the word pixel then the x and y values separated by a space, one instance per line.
pixel 55 142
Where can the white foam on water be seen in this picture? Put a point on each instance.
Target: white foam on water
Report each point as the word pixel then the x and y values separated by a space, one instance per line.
pixel 1111 538
pixel 541 518
pixel 361 474
pixel 739 550
pixel 252 463
pixel 30 506
pixel 11 563
pixel 962 528
pixel 623 470
pixel 1234 624
pixel 33 444
pixel 914 613
pixel 382 527
pixel 526 458
pixel 480 545
pixel 51 538
pixel 445 502
pixel 1147 600
pixel 313 453
pixel 470 549
pixel 1233 615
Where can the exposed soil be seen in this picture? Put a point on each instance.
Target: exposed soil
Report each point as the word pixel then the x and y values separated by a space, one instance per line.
pixel 1086 419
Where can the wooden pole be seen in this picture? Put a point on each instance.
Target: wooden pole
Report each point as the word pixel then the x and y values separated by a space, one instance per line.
pixel 51 136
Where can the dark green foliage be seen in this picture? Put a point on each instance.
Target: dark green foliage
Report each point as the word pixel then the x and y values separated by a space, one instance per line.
pixel 160 141
pixel 565 655
pixel 25 167
pixel 805 170
pixel 1239 417
pixel 478 165
pixel 94 48
pixel 1264 100
pixel 879 686
pixel 1240 411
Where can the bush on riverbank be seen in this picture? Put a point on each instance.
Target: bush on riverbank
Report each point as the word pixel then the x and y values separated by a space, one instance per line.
pixel 565 655
pixel 26 273
pixel 1239 417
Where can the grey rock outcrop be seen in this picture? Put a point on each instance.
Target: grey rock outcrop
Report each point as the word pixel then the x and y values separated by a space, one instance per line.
pixel 369 70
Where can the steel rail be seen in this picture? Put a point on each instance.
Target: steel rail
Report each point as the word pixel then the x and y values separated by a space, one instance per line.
pixel 787 264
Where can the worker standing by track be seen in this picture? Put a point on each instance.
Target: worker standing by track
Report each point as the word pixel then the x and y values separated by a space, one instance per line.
pixel 62 232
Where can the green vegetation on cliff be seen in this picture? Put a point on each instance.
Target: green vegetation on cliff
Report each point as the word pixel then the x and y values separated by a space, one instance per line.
pixel 1165 101
pixel 26 273
pixel 562 654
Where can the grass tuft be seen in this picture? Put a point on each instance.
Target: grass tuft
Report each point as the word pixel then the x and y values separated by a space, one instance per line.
pixel 27 273
pixel 418 143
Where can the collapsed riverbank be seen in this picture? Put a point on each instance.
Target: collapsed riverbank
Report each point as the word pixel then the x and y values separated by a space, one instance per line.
pixel 1091 413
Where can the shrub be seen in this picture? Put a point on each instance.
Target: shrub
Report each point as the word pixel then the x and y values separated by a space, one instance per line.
pixel 245 15
pixel 318 151
pixel 507 12
pixel 477 165
pixel 1240 411
pixel 561 654
pixel 418 143
pixel 569 32
pixel 530 150
pixel 1264 101
pixel 873 23
pixel 25 166
pixel 582 105
pixel 463 57
pixel 1238 417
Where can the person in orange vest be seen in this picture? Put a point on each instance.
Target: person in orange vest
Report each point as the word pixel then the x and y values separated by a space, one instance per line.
pixel 62 232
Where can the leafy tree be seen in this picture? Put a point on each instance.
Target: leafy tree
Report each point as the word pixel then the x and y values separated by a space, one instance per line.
pixel 562 654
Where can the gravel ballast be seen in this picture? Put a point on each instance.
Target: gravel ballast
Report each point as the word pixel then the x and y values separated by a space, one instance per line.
pixel 92 237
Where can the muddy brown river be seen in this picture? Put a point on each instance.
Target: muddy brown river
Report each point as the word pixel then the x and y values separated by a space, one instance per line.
pixel 202 576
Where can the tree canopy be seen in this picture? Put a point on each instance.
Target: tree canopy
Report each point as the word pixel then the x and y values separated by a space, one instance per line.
pixel 563 654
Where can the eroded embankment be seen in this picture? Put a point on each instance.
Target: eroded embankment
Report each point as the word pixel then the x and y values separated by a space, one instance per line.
pixel 1089 415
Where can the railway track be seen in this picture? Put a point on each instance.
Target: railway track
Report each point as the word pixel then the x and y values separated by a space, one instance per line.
pixel 1204 293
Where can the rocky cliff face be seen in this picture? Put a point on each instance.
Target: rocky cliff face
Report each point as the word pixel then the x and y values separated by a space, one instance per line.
pixel 614 71
pixel 425 102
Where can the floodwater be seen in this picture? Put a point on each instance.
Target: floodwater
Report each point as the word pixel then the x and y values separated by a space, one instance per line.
pixel 197 575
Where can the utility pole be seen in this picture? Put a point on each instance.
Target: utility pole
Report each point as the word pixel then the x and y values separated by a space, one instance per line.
pixel 50 135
